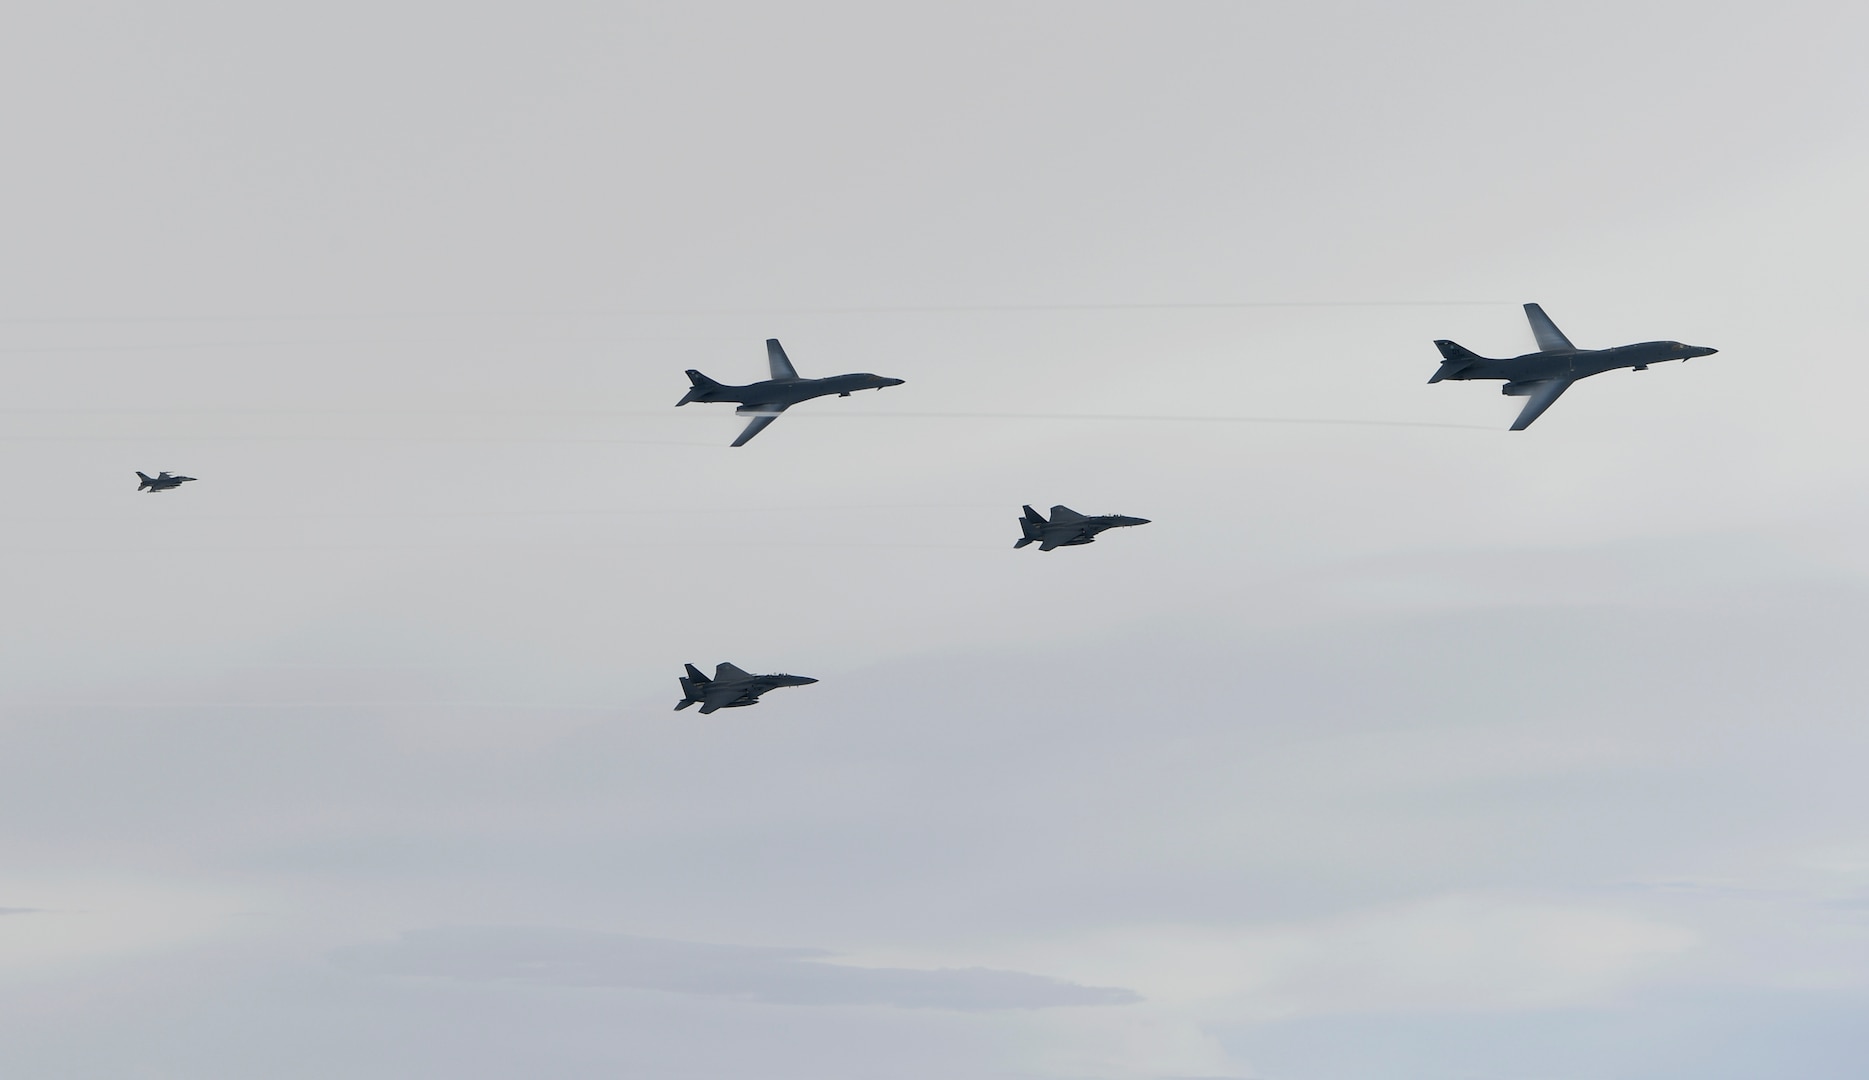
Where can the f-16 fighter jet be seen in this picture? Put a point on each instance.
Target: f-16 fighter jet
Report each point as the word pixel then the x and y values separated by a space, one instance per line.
pixel 1067 527
pixel 1541 376
pixel 730 688
pixel 764 401
pixel 160 481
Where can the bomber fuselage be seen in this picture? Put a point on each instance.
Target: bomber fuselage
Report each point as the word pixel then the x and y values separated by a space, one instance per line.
pixel 787 392
pixel 1576 363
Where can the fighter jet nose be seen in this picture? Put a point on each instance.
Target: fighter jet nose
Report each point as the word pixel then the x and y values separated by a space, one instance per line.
pixel 894 382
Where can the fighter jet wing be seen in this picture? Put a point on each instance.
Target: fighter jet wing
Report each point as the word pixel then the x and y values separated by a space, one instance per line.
pixel 775 356
pixel 1538 397
pixel 728 673
pixel 719 699
pixel 1063 514
pixel 759 422
pixel 1550 338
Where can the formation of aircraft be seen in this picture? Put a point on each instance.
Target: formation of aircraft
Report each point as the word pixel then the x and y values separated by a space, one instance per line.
pixel 1541 376
pixel 161 481
pixel 1067 527
pixel 730 688
pixel 764 401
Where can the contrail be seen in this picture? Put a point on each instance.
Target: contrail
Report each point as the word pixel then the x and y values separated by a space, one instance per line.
pixel 599 413
pixel 844 309
pixel 1149 418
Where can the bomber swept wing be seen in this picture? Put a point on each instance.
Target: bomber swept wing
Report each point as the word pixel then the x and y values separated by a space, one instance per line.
pixel 776 359
pixel 1550 338
pixel 766 415
pixel 1539 394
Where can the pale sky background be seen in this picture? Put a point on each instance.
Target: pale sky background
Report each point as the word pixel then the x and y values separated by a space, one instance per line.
pixel 1434 752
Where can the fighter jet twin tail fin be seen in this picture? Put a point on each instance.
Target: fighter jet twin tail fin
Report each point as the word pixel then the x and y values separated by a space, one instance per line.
pixel 1033 525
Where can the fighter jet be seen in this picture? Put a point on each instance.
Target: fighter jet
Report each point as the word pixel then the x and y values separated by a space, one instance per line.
pixel 764 401
pixel 160 481
pixel 730 688
pixel 1067 527
pixel 1541 376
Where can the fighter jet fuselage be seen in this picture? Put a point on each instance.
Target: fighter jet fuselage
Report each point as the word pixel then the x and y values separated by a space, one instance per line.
pixel 160 481
pixel 1067 527
pixel 1544 375
pixel 730 688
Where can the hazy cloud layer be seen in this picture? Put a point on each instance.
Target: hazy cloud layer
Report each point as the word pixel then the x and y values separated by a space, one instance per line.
pixel 775 976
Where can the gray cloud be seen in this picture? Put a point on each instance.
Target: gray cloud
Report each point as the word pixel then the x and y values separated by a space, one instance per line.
pixel 20 910
pixel 778 976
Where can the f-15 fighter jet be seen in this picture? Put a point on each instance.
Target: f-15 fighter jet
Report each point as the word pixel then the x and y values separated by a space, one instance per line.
pixel 1067 527
pixel 160 481
pixel 764 401
pixel 1541 376
pixel 730 688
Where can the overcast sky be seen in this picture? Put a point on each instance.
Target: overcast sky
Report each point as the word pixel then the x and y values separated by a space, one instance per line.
pixel 1411 749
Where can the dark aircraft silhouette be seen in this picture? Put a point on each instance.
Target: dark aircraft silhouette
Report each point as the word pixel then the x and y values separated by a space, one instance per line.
pixel 1067 527
pixel 1541 376
pixel 730 688
pixel 764 401
pixel 160 481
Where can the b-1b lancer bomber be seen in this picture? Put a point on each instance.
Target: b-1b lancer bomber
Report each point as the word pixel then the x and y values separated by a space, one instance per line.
pixel 1067 527
pixel 764 401
pixel 730 688
pixel 1541 376
pixel 160 481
